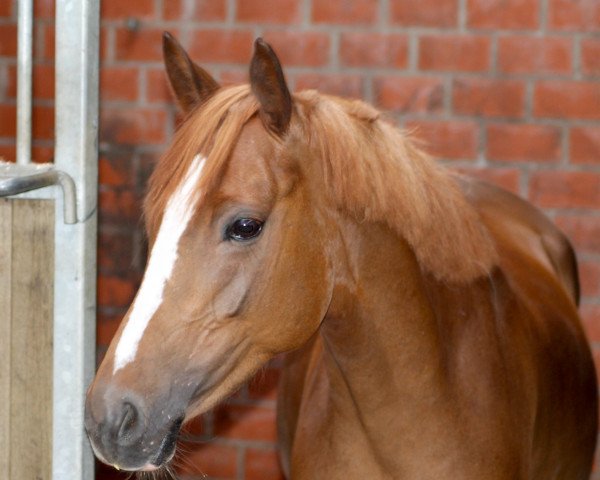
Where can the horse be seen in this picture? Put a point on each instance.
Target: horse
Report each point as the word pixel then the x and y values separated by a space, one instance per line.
pixel 428 321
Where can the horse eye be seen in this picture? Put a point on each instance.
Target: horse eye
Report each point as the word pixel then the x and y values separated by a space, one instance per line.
pixel 244 229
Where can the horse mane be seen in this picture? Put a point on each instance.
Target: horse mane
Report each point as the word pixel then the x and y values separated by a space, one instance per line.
pixel 375 171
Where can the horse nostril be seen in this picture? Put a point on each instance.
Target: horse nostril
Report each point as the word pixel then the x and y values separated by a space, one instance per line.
pixel 128 424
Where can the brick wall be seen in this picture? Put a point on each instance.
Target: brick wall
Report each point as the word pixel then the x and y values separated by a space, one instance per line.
pixel 505 89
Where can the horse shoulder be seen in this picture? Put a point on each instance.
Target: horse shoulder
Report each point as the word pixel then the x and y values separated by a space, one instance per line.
pixel 539 272
pixel 520 225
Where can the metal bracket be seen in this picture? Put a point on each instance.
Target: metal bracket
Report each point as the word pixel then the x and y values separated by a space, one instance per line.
pixel 15 179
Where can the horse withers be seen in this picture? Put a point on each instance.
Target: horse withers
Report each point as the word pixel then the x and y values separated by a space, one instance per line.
pixel 429 319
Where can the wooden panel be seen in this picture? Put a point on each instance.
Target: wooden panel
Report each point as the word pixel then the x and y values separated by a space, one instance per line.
pixel 5 281
pixel 31 339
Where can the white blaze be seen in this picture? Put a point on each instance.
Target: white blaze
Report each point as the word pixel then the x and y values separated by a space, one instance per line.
pixel 177 215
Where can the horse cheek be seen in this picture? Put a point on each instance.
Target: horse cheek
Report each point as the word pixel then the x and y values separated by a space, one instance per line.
pixel 298 299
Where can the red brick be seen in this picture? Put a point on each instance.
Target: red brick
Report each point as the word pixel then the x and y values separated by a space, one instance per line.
pixel 144 44
pixel 410 94
pixel 115 252
pixel 488 97
pixel 300 48
pixel 200 10
pixel 119 9
pixel 38 39
pixel 146 164
pixel 6 8
pixel 574 15
pixel 8 121
pixel 334 84
pixel 535 55
pixel 596 357
pixel 8 40
pixel 507 178
pixel 233 75
pixel 221 46
pixel 49 46
pixel 568 99
pixel 42 153
pixel 589 273
pixel 565 189
pixel 450 140
pixel 118 83
pixel 269 11
pixel 106 50
pixel 585 145
pixel 264 384
pixel 157 87
pixel 582 230
pixel 535 143
pixel 194 428
pixel 115 291
pixel 106 327
pixel 133 126
pixel 207 460
pixel 373 50
pixel 262 465
pixel 590 314
pixel 344 11
pixel 245 422
pixel 42 8
pixel 503 14
pixel 119 207
pixel 424 13
pixel 43 82
pixel 8 81
pixel 115 170
pixel 590 56
pixel 43 123
pixel 451 52
pixel 8 153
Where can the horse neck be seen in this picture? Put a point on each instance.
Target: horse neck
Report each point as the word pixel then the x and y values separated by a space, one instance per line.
pixel 382 342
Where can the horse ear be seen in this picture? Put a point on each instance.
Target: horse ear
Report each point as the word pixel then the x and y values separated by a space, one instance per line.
pixel 268 84
pixel 191 84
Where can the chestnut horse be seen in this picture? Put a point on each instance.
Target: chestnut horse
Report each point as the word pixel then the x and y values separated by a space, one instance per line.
pixel 429 320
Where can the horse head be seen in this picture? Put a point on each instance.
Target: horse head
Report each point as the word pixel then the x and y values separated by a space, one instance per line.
pixel 238 269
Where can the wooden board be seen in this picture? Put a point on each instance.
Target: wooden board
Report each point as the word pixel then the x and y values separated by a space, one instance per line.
pixel 30 299
pixel 5 324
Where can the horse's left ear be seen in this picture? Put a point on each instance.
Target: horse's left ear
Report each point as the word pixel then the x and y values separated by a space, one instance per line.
pixel 268 84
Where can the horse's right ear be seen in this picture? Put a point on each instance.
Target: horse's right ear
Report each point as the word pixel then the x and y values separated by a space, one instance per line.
pixel 191 84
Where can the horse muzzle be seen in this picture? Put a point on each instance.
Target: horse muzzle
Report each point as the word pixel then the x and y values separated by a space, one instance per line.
pixel 124 431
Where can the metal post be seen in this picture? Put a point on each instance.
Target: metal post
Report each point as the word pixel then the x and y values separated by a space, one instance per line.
pixel 77 31
pixel 24 72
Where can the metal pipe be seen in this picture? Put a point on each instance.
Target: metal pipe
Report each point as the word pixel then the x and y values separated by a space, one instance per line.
pixel 75 154
pixel 15 179
pixel 24 76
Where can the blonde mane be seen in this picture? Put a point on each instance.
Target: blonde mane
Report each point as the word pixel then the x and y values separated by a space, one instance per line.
pixel 375 171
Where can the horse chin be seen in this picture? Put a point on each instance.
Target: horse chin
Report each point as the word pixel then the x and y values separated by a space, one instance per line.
pixel 160 464
pixel 156 461
pixel 164 456
pixel 166 451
